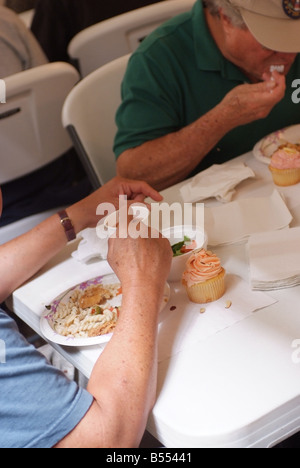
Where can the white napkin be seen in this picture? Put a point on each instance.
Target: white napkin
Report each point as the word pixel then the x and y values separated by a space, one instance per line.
pixel 218 181
pixel 91 247
pixel 235 221
pixel 186 325
pixel 274 259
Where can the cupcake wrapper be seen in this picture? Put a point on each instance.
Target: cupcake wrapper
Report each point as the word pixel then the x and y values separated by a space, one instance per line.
pixel 285 177
pixel 209 291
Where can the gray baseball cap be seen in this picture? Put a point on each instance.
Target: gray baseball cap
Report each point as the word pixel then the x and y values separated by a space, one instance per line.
pixel 274 23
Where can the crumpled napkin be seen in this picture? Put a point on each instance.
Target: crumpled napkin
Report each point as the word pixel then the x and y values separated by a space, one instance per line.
pixel 91 247
pixel 274 259
pixel 219 181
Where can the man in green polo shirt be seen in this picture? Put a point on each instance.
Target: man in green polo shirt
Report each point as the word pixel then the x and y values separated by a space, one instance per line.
pixel 206 86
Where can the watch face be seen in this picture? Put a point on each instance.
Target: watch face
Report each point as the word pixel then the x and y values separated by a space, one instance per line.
pixel 292 8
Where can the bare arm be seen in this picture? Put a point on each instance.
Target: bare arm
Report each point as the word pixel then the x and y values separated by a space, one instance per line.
pixel 24 256
pixel 170 159
pixel 123 381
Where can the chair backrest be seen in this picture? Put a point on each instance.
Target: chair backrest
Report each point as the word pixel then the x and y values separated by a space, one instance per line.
pixel 31 132
pixel 121 35
pixel 89 116
pixel 27 17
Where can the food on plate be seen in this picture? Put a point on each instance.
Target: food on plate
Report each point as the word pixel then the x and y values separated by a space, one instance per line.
pixel 295 146
pixel 285 165
pixel 204 277
pixel 87 314
pixel 93 296
pixel 183 247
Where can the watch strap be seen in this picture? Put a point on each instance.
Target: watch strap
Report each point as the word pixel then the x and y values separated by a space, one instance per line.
pixel 67 225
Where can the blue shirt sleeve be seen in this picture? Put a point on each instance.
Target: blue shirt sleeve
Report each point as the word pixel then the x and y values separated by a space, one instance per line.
pixel 39 406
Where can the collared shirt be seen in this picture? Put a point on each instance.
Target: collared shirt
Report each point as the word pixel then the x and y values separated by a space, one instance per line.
pixel 177 75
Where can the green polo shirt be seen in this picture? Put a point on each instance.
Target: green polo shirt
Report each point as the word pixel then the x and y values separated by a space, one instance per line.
pixel 177 75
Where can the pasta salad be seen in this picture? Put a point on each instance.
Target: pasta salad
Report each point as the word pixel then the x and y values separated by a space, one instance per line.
pixel 87 313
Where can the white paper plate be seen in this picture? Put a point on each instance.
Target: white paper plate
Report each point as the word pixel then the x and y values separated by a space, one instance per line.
pixel 264 149
pixel 46 322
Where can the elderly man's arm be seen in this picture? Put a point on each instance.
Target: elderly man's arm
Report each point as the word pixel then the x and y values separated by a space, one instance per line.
pixel 170 159
pixel 123 381
pixel 22 257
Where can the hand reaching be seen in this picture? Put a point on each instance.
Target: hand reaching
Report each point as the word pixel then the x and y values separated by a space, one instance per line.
pixel 84 213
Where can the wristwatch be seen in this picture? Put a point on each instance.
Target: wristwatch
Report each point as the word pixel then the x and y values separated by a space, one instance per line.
pixel 67 225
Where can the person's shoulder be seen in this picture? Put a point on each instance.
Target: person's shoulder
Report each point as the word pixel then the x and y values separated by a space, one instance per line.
pixel 169 31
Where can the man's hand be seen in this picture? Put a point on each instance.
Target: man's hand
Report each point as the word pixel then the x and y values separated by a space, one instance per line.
pixel 83 214
pixel 249 102
pixel 142 262
pixel 134 190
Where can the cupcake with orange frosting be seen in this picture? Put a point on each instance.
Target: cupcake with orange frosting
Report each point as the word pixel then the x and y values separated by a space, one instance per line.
pixel 204 277
pixel 285 165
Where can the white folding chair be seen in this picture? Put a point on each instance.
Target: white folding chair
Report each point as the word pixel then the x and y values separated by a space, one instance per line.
pixel 27 17
pixel 89 116
pixel 31 132
pixel 121 35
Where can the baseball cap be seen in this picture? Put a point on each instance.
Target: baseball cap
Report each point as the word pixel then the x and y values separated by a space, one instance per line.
pixel 274 23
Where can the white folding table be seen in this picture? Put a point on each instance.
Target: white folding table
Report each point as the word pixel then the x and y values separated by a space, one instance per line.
pixel 237 388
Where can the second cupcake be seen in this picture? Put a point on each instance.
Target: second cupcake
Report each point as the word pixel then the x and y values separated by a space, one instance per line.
pixel 285 165
pixel 204 277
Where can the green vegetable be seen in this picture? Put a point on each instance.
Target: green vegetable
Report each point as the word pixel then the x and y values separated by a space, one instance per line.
pixel 97 310
pixel 177 247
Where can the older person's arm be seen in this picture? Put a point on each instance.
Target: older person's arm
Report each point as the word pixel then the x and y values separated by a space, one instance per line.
pixel 170 159
pixel 123 381
pixel 24 256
